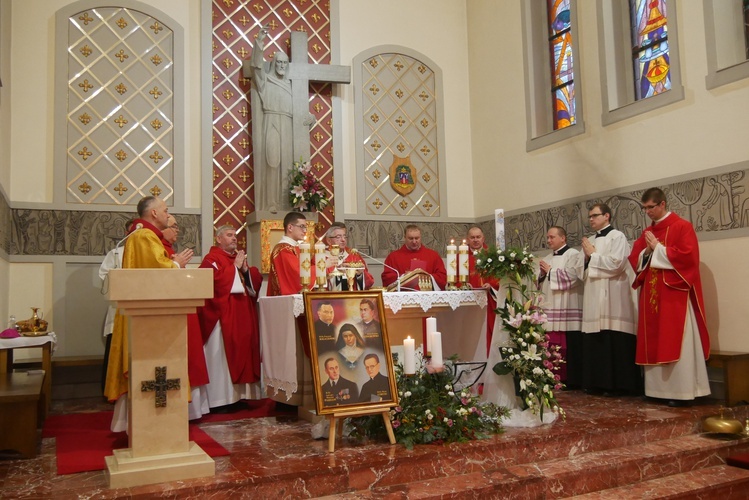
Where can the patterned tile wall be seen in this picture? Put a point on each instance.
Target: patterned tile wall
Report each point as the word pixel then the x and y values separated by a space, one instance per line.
pixel 58 232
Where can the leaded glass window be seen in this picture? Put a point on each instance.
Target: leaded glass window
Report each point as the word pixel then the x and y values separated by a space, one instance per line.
pixel 650 47
pixel 562 74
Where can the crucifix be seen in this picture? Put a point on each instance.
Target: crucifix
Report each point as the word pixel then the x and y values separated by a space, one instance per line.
pixel 160 386
pixel 280 115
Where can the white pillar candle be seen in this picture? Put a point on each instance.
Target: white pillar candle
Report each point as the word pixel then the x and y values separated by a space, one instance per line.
pixel 431 328
pixel 452 261
pixel 463 262
pixel 305 263
pixel 436 342
pixel 409 356
pixel 499 227
pixel 320 262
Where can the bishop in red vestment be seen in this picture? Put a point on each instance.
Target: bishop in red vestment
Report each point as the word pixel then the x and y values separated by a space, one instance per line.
pixel 336 235
pixel 413 255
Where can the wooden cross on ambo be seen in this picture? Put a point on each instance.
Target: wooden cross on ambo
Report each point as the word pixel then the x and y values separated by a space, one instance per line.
pixel 301 73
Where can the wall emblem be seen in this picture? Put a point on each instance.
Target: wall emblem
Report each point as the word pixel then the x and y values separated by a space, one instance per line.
pixel 402 175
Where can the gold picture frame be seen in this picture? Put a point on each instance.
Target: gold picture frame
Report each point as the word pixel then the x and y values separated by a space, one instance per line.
pixel 352 366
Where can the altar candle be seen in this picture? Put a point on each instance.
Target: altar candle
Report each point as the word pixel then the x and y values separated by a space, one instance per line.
pixel 499 227
pixel 452 261
pixel 321 263
pixel 431 328
pixel 436 342
pixel 463 261
pixel 305 263
pixel 409 356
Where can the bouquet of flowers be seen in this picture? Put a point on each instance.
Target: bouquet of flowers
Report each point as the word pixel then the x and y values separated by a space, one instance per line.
pixel 306 192
pixel 432 410
pixel 527 356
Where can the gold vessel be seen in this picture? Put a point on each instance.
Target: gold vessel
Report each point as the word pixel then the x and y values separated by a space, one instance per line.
pixel 720 425
pixel 35 326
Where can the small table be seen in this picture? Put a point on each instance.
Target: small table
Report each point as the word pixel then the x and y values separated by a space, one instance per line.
pixel 735 367
pixel 44 342
pixel 18 411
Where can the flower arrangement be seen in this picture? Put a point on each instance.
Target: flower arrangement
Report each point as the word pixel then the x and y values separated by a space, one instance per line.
pixel 306 192
pixel 528 357
pixel 432 410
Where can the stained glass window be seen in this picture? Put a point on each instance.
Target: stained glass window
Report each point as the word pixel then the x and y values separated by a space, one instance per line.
pixel 562 74
pixel 746 26
pixel 650 47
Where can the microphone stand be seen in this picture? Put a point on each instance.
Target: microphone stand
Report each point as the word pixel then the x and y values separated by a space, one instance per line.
pixel 398 279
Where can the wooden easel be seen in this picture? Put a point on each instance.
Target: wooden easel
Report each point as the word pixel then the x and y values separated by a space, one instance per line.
pixel 338 417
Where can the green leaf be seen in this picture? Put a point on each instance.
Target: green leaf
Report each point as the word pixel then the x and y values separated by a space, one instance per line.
pixel 502 368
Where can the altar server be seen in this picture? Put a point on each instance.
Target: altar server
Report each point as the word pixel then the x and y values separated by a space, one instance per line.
pixel 284 275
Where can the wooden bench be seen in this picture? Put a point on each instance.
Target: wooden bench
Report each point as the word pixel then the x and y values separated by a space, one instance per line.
pixel 20 401
pixel 735 368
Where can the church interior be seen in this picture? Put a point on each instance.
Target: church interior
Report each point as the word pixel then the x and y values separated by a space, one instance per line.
pixel 130 98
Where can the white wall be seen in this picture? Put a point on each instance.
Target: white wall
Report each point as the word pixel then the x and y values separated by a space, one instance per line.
pixel 32 95
pixel 5 127
pixel 31 286
pixel 437 29
pixel 706 130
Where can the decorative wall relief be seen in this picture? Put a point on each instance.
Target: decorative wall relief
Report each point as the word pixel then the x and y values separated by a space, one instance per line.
pixel 57 232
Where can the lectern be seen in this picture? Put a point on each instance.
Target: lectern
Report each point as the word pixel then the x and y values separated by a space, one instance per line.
pixel 156 302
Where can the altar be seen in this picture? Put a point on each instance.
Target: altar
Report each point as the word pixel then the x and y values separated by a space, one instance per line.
pixel 461 317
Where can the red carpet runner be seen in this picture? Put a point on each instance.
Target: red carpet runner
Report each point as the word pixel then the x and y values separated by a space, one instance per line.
pixel 84 439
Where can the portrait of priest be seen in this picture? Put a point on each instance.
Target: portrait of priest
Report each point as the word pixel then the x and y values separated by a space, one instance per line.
pixel 143 249
pixel 229 325
pixel 411 256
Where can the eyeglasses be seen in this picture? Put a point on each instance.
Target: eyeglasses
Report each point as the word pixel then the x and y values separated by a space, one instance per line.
pixel 300 226
pixel 650 207
pixel 339 237
pixel 173 227
pixel 593 216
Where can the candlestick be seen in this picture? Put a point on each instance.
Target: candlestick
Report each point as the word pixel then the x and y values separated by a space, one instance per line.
pixel 305 262
pixel 499 227
pixel 436 342
pixel 322 265
pixel 431 328
pixel 463 262
pixel 409 356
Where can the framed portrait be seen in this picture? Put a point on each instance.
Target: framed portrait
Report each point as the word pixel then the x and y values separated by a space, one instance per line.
pixel 352 366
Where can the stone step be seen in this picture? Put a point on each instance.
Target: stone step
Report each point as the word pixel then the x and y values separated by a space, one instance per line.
pixel 594 471
pixel 719 482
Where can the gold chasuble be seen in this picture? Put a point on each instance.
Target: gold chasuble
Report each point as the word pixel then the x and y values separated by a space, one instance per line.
pixel 143 249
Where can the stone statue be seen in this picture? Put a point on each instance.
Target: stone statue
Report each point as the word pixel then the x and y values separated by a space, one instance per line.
pixel 273 135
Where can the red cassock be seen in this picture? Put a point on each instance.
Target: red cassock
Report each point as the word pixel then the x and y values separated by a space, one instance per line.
pixel 405 260
pixel 477 281
pixel 284 276
pixel 664 293
pixel 237 313
pixel 197 371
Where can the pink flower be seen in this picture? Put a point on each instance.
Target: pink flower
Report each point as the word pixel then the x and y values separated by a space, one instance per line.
pixel 557 377
pixel 396 424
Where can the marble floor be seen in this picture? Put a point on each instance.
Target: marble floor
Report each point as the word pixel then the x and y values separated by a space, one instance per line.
pixel 621 447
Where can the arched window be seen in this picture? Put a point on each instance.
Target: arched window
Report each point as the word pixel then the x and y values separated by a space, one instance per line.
pixel 562 68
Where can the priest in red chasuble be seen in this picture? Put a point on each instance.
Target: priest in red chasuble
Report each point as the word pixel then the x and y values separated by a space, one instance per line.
pixel 672 337
pixel 336 235
pixel 411 256
pixel 143 249
pixel 284 276
pixel 476 243
pixel 229 324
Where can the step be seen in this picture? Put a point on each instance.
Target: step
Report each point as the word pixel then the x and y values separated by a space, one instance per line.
pixel 719 482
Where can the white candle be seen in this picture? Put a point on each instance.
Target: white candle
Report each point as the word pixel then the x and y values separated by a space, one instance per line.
pixel 305 263
pixel 499 227
pixel 409 356
pixel 452 260
pixel 321 263
pixel 463 261
pixel 431 328
pixel 436 342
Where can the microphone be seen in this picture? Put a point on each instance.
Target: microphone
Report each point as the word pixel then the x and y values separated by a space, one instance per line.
pixel 119 243
pixel 397 280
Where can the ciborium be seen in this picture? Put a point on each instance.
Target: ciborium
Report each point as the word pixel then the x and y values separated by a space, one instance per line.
pixel 35 326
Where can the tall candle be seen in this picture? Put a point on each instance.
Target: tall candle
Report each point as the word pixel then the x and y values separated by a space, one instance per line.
pixel 409 353
pixel 452 261
pixel 431 328
pixel 305 262
pixel 436 342
pixel 321 264
pixel 463 262
pixel 499 227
